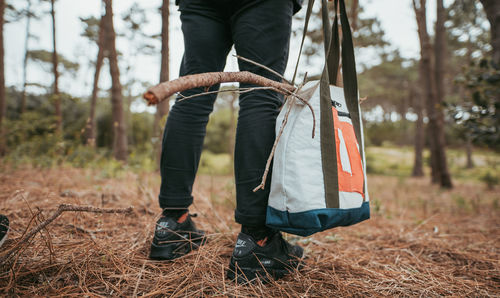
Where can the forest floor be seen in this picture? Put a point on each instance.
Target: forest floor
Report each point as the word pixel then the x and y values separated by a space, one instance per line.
pixel 420 241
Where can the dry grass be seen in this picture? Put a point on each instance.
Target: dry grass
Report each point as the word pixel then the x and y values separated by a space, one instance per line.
pixel 421 241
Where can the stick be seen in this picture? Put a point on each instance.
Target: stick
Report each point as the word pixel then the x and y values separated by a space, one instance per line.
pixel 263 67
pixel 62 208
pixel 164 90
pixel 239 90
pixel 270 158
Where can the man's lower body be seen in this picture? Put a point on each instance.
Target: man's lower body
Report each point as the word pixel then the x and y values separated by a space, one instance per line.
pixel 260 31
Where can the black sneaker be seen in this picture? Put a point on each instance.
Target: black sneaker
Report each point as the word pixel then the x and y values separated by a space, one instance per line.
pixel 4 228
pixel 175 237
pixel 275 258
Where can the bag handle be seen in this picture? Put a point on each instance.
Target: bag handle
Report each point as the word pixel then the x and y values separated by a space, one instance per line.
pixel 304 33
pixel 329 77
pixel 348 60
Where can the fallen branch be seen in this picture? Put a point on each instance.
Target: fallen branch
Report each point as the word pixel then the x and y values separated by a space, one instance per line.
pixel 62 208
pixel 164 90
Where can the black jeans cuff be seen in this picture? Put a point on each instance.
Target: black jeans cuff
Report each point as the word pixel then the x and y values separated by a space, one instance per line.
pixel 175 202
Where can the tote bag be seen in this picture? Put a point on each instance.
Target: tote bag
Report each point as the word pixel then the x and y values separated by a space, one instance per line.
pixel 320 183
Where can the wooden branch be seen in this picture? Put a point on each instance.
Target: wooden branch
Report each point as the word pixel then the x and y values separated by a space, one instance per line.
pixel 264 67
pixel 273 150
pixel 164 90
pixel 239 90
pixel 62 208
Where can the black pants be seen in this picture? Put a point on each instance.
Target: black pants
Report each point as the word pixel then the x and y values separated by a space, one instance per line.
pixel 260 30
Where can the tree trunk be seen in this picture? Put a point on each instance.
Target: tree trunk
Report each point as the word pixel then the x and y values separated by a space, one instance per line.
pixel 25 62
pixel 439 168
pixel 440 66
pixel 119 127
pixel 492 9
pixel 402 109
pixel 468 151
pixel 55 95
pixel 90 134
pixel 163 107
pixel 427 79
pixel 418 168
pixel 354 15
pixel 3 103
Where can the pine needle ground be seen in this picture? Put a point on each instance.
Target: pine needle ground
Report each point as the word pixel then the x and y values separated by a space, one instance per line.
pixel 421 241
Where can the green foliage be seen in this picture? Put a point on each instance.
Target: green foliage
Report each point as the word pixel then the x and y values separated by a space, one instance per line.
pixel 491 179
pixel 140 130
pixel 45 59
pixel 460 202
pixel 90 28
pixel 32 138
pixel 389 83
pixel 215 164
pixel 398 161
pixel 388 132
pixel 479 116
pixel 369 31
pixel 389 161
pixel 219 132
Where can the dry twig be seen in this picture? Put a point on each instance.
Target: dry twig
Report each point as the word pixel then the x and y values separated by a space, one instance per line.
pixel 62 208
pixel 164 90
pixel 264 67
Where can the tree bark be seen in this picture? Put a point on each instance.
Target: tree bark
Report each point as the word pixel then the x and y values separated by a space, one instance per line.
pixel 354 15
pixel 468 151
pixel 427 79
pixel 492 9
pixel 3 103
pixel 163 107
pixel 439 168
pixel 90 134
pixel 119 128
pixel 418 165
pixel 55 95
pixel 440 73
pixel 25 62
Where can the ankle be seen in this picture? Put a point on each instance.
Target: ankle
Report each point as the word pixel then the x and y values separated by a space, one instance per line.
pixel 259 233
pixel 179 214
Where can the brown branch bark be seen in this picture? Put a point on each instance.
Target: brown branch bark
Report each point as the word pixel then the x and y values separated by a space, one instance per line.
pixel 164 90
pixel 62 208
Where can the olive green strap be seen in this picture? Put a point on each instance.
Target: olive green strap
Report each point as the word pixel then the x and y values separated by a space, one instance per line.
pixel 327 132
pixel 304 33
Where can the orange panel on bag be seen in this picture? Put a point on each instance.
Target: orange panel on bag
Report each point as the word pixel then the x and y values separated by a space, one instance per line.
pixel 349 181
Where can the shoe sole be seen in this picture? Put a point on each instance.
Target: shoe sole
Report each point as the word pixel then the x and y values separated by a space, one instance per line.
pixel 175 249
pixel 246 275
